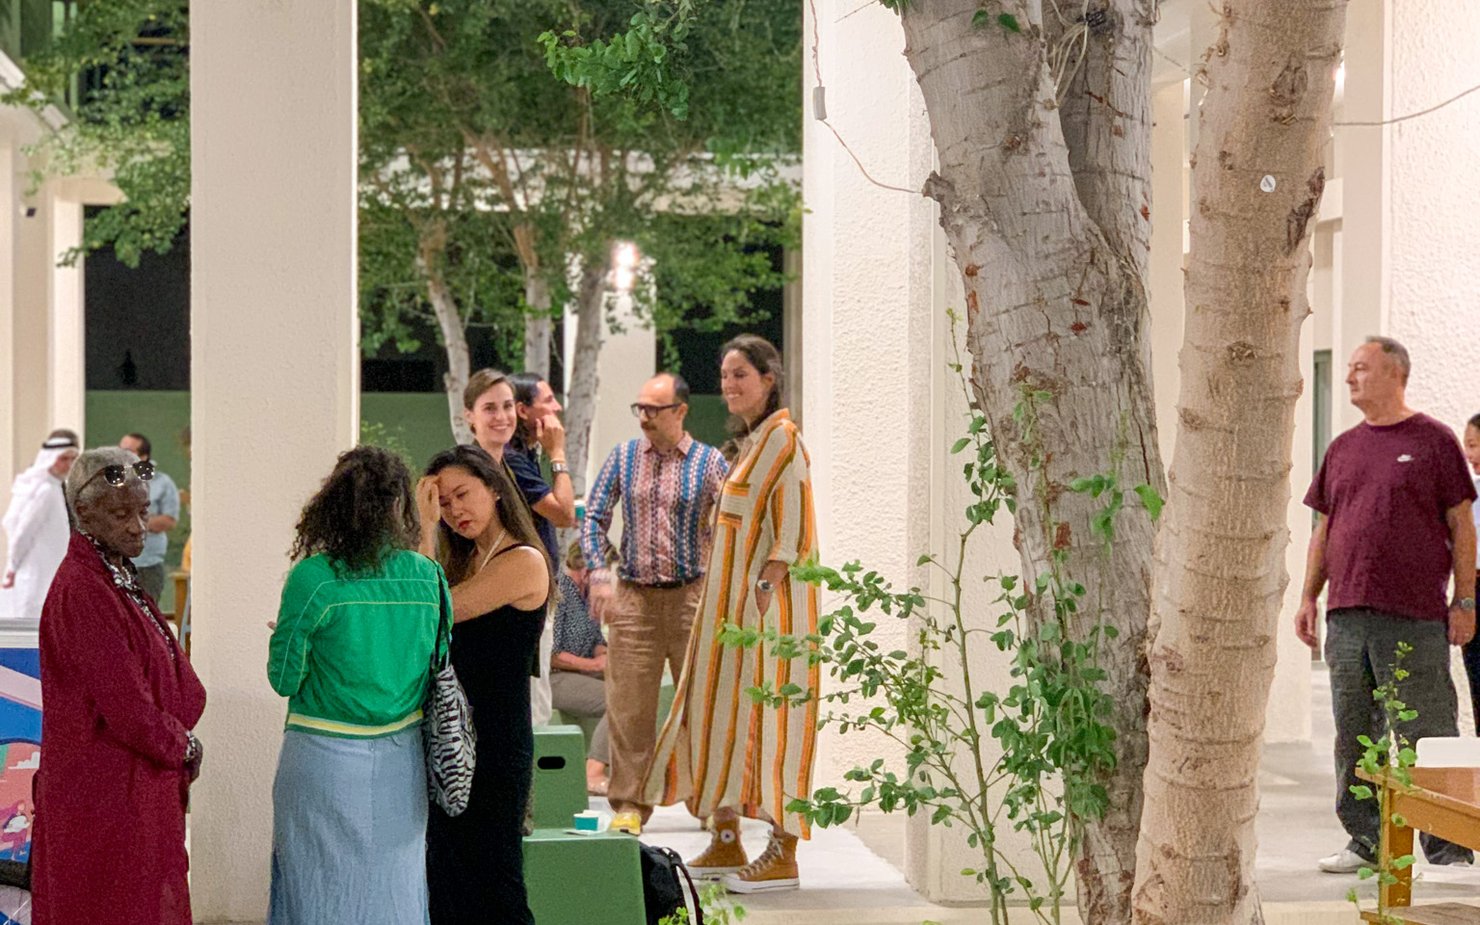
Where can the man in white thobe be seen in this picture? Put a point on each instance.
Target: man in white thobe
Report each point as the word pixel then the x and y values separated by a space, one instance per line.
pixel 36 527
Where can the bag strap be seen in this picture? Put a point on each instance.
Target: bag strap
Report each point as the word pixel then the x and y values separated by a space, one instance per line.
pixel 682 868
pixel 443 641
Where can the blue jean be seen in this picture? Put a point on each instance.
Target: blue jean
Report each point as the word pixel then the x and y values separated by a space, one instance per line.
pixel 1360 647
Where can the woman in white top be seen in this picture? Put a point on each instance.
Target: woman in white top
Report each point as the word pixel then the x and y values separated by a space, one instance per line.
pixel 36 526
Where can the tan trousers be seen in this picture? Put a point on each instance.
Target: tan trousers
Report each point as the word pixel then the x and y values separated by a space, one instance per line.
pixel 645 628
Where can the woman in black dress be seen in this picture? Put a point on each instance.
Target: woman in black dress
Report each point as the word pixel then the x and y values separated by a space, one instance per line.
pixel 477 525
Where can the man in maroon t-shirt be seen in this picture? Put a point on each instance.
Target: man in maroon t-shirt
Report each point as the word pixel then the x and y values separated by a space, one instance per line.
pixel 1393 497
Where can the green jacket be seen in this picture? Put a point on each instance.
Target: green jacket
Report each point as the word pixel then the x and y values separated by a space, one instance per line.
pixel 353 654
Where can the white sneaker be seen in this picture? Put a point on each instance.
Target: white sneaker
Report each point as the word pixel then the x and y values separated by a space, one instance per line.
pixel 1345 861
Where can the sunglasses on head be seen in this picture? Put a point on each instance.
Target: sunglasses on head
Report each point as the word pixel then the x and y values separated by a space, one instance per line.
pixel 117 474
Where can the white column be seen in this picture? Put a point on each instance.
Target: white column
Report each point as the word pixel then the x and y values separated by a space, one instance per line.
pixel 1366 224
pixel 9 209
pixel 878 406
pixel 275 375
pixel 67 355
pixel 31 323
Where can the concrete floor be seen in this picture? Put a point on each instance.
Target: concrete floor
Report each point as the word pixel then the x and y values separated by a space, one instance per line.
pixel 851 876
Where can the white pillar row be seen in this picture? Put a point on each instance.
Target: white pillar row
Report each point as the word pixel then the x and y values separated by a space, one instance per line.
pixel 1366 221
pixel 9 400
pixel 67 354
pixel 275 376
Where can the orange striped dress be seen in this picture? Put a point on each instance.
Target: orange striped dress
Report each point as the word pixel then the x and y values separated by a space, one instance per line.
pixel 719 747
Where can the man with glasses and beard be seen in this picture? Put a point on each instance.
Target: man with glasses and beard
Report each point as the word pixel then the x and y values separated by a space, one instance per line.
pixel 667 484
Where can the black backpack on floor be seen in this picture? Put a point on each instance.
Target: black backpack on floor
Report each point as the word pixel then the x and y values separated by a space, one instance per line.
pixel 667 886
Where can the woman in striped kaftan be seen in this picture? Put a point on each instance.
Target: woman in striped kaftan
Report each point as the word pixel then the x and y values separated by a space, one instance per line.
pixel 722 751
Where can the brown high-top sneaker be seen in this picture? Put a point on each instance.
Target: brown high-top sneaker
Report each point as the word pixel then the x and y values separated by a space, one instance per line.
pixel 725 854
pixel 775 869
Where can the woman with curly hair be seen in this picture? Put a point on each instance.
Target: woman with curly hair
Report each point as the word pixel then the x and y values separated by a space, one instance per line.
pixel 352 650
pixel 473 518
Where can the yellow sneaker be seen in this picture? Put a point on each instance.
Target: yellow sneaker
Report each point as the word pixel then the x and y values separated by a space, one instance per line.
pixel 628 822
pixel 725 854
pixel 775 869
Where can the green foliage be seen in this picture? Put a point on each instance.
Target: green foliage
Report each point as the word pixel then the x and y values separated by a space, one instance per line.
pixel 1389 761
pixel 482 173
pixel 716 905
pixel 638 59
pixel 496 174
pixel 1047 722
pixel 130 118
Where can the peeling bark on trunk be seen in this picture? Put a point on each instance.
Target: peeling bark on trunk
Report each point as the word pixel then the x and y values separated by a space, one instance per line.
pixel 1054 269
pixel 431 248
pixel 538 326
pixel 585 369
pixel 1221 561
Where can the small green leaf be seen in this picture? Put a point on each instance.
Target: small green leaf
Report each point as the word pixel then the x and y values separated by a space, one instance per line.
pixel 980 17
pixel 1152 501
pixel 1365 873
pixel 1008 22
pixel 960 445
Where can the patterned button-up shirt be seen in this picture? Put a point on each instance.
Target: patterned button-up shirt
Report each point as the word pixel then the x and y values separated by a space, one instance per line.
pixel 666 502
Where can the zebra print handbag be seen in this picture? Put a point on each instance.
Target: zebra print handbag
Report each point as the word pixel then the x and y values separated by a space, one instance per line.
pixel 448 735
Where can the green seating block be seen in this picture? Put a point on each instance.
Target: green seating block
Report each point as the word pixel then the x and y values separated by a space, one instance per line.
pixel 559 776
pixel 587 724
pixel 580 879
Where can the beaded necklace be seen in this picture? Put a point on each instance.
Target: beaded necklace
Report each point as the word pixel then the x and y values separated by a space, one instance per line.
pixel 126 580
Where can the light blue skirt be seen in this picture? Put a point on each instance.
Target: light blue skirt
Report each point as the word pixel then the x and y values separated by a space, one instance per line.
pixel 349 821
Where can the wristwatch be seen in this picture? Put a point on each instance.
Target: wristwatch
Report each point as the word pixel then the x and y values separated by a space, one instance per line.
pixel 1465 603
pixel 557 468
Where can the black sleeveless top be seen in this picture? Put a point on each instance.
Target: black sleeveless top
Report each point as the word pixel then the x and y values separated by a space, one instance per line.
pixel 475 861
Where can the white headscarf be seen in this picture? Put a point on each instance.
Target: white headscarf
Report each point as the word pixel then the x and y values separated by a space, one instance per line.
pixel 31 482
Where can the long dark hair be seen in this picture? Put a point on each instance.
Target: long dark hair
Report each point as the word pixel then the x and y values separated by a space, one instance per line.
pixel 763 355
pixel 362 514
pixel 456 552
pixel 526 388
pixel 1475 422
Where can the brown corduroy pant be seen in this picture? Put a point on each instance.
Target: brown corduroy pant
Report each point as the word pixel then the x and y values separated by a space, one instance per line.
pixel 645 628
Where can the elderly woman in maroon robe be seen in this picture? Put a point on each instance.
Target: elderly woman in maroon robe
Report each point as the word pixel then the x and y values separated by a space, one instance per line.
pixel 118 703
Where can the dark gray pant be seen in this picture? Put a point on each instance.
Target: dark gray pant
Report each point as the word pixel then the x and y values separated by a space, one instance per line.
pixel 1360 647
pixel 151 579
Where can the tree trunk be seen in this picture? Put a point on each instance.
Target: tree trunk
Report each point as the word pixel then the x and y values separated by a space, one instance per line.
pixel 1056 303
pixel 580 404
pixel 539 327
pixel 1257 179
pixel 431 250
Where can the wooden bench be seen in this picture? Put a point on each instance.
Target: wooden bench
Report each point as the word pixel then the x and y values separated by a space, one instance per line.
pixel 1443 802
pixel 1438 914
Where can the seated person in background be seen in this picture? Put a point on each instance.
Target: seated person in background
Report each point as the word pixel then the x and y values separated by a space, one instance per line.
pixel 577 665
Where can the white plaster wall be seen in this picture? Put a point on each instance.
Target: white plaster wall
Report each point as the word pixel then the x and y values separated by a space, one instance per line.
pixel 275 373
pixel 864 396
pixel 1435 217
